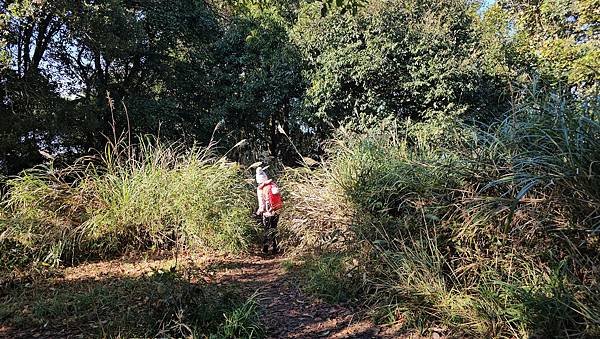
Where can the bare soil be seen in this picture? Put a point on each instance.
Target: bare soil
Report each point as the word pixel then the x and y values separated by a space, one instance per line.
pixel 286 311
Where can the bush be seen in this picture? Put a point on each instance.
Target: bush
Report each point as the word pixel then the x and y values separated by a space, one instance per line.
pixel 147 196
pixel 488 230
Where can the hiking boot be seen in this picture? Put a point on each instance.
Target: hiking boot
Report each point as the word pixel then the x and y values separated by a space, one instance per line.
pixel 265 249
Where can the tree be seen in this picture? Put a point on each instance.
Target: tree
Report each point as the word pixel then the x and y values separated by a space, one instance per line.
pixel 62 58
pixel 413 59
pixel 29 104
pixel 258 81
pixel 561 37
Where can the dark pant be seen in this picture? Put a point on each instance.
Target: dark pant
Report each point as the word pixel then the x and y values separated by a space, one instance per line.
pixel 269 232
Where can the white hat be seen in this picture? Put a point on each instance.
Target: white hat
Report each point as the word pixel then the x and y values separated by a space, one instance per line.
pixel 261 176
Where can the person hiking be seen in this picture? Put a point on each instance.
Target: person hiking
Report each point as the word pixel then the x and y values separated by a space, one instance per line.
pixel 269 205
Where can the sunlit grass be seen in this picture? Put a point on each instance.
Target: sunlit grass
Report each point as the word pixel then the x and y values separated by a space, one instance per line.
pixel 483 230
pixel 142 196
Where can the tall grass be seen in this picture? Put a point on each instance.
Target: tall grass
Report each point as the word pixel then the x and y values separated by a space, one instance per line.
pixel 130 197
pixel 486 230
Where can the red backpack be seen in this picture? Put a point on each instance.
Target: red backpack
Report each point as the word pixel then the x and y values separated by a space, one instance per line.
pixel 273 195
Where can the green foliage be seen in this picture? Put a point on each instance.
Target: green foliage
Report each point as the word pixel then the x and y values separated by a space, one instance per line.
pixel 560 39
pixel 306 66
pixel 469 227
pixel 65 56
pixel 473 206
pixel 343 6
pixel 258 81
pixel 243 321
pixel 329 277
pixel 151 195
pixel 402 58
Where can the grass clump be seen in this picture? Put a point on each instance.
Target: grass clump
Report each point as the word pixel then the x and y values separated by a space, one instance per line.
pixel 132 197
pixel 484 230
pixel 243 321
pixel 330 277
pixel 305 226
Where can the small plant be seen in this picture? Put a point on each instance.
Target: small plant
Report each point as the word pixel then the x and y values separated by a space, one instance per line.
pixel 288 265
pixel 243 321
pixel 330 277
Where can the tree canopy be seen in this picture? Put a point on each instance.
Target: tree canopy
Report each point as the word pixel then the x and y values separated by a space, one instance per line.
pixel 261 68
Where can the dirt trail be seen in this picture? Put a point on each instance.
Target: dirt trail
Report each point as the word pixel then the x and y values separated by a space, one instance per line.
pixel 286 311
pixel 289 313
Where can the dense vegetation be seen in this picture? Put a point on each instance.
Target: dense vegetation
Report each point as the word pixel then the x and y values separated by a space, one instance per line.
pixel 489 231
pixel 178 69
pixel 440 160
pixel 150 196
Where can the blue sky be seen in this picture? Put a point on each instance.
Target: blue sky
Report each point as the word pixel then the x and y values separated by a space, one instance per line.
pixel 485 4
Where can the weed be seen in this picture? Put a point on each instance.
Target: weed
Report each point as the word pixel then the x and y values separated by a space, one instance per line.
pixel 243 321
pixel 288 265
pixel 330 277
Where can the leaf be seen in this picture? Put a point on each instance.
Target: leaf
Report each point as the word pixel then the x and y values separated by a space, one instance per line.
pixel 518 198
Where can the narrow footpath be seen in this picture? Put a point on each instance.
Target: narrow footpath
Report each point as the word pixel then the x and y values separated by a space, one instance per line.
pixel 289 313
pixel 81 301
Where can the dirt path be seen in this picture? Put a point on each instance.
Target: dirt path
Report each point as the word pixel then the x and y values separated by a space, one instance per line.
pixel 63 301
pixel 287 311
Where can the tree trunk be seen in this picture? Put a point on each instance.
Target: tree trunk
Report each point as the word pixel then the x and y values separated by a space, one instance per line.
pixel 19 53
pixel 41 42
pixel 26 46
pixel 274 142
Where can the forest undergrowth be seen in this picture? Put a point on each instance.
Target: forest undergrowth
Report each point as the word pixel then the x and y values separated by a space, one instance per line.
pixel 472 229
pixel 482 230
pixel 119 207
pixel 131 197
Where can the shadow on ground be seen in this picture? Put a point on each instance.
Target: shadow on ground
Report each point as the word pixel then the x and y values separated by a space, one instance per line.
pixel 203 296
pixel 158 302
pixel 287 312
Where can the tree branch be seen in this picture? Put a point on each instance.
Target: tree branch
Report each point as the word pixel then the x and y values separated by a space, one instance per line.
pixel 42 40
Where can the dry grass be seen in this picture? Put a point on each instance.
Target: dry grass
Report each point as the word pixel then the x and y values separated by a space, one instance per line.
pixel 134 296
pixel 309 198
pixel 487 231
pixel 132 197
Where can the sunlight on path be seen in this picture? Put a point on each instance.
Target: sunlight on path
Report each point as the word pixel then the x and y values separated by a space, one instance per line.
pixel 286 311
